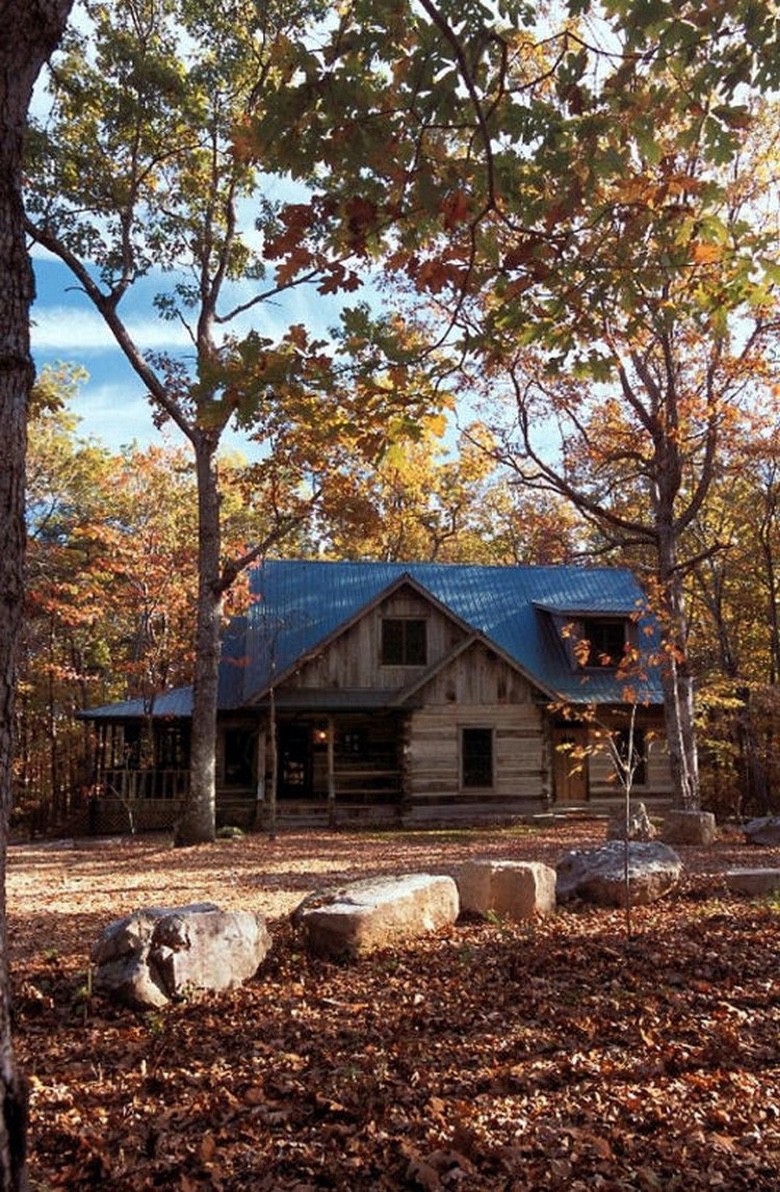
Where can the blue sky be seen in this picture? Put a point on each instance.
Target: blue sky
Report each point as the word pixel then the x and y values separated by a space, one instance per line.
pixel 111 404
pixel 65 329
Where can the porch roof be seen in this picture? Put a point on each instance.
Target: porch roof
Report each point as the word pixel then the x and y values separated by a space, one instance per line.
pixel 168 705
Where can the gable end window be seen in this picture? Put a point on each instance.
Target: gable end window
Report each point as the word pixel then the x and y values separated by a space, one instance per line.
pixel 404 641
pixel 476 753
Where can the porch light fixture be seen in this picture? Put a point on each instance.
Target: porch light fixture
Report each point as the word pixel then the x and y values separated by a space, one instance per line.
pixel 320 735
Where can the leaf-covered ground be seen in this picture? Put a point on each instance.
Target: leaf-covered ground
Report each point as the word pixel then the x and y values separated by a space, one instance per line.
pixel 557 1055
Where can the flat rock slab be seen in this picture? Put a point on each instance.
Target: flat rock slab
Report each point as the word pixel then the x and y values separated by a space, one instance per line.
pixel 376 912
pixel 753 881
pixel 518 889
pixel 598 875
pixel 161 954
pixel 689 827
pixel 764 830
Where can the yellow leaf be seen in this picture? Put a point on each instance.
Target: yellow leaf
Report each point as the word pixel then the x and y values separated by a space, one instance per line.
pixel 437 425
pixel 706 254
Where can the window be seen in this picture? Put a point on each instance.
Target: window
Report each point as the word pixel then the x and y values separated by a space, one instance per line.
pixel 476 751
pixel 173 747
pixel 606 641
pixel 132 746
pixel 639 758
pixel 353 742
pixel 404 641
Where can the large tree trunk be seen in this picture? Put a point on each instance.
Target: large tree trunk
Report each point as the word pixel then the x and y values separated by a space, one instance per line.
pixel 197 824
pixel 29 31
pixel 680 734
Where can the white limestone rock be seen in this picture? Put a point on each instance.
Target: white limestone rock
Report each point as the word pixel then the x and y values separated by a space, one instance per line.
pixel 374 913
pixel 640 826
pixel 755 882
pixel 161 954
pixel 518 889
pixel 689 827
pixel 765 830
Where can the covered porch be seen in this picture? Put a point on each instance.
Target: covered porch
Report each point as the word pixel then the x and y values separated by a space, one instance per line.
pixel 285 764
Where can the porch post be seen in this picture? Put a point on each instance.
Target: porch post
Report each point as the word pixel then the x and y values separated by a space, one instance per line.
pixel 262 729
pixel 100 755
pixel 273 746
pixel 331 774
pixel 548 763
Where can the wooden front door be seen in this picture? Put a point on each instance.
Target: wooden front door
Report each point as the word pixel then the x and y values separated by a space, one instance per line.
pixel 570 774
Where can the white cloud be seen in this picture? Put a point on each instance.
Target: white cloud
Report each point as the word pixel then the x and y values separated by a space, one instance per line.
pixel 117 414
pixel 70 330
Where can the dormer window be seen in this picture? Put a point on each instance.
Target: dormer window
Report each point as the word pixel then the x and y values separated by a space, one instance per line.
pixel 404 641
pixel 602 642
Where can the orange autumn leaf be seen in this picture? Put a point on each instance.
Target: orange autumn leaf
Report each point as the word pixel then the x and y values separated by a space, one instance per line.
pixel 706 254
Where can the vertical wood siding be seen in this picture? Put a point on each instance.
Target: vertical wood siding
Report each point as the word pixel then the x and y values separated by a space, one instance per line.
pixel 353 661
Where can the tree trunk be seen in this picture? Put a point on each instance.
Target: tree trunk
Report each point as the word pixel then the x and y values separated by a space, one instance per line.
pixel 677 682
pixel 754 778
pixel 198 821
pixel 30 31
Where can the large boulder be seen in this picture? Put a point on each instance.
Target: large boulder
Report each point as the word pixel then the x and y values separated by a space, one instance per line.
pixel 598 875
pixel 640 826
pixel 689 827
pixel 764 830
pixel 518 889
pixel 161 954
pixel 376 912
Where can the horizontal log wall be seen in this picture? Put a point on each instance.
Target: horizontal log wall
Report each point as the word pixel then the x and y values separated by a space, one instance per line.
pixel 659 780
pixel 658 784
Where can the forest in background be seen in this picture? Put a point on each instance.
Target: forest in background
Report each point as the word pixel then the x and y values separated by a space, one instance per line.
pixel 563 222
pixel 112 579
pixel 565 216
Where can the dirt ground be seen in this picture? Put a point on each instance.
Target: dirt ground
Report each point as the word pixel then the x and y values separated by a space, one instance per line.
pixel 492 1055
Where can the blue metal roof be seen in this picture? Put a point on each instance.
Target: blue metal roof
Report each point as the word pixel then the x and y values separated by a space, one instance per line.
pixel 297 605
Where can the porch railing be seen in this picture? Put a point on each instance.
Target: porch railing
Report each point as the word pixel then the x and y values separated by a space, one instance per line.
pixel 134 785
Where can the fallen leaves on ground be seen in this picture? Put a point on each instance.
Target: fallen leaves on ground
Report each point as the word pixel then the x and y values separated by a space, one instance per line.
pixel 493 1055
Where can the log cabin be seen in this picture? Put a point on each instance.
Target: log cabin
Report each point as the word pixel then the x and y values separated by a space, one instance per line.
pixel 406 693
